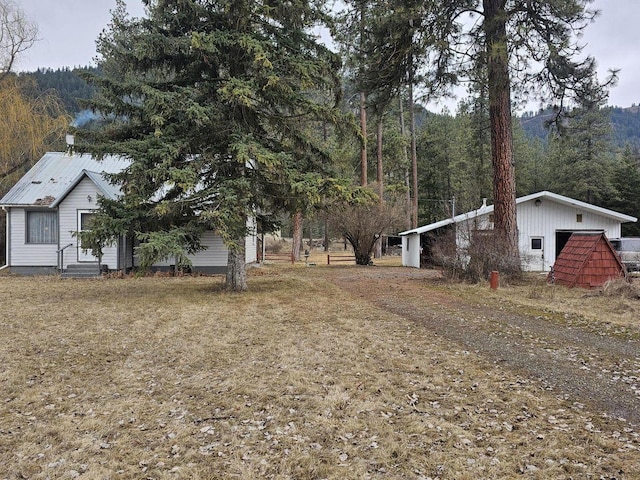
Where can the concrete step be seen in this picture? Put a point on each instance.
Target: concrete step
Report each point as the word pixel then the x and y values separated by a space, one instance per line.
pixel 81 270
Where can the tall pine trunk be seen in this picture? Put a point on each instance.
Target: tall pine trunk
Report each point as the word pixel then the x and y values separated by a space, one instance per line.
pixel 363 105
pixel 363 130
pixel 407 175
pixel 504 181
pixel 297 236
pixel 236 280
pixel 414 156
pixel 379 179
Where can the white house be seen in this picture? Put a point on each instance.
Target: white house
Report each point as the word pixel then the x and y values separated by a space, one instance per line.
pixel 57 197
pixel 545 222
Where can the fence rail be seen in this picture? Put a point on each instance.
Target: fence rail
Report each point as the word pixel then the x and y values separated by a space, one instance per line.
pixel 340 258
pixel 278 257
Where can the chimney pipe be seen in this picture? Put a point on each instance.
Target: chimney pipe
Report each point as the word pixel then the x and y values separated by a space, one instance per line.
pixel 70 143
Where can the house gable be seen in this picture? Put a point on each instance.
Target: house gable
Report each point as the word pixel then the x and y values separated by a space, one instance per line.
pixel 101 184
pixel 55 175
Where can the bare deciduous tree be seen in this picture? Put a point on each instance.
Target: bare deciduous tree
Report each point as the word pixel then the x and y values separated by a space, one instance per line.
pixel 364 222
pixel 17 34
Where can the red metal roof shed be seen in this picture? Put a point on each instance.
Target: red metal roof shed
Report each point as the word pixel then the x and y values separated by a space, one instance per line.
pixel 588 260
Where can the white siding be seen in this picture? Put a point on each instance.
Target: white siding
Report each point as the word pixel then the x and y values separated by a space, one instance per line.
pixel 214 256
pixel 251 246
pixel 411 250
pixel 78 199
pixel 549 217
pixel 22 253
pixel 543 221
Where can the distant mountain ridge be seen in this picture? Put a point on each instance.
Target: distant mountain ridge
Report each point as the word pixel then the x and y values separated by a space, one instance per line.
pixel 72 90
pixel 625 123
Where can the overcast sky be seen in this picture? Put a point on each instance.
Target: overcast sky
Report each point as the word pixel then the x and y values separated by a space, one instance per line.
pixel 69 28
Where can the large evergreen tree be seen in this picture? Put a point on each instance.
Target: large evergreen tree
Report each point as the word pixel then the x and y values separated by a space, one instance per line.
pixel 206 98
pixel 581 155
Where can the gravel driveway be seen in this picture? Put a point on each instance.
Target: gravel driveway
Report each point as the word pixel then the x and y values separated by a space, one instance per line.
pixel 586 367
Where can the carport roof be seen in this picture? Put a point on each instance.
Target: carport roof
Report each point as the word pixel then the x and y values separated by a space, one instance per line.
pixel 540 195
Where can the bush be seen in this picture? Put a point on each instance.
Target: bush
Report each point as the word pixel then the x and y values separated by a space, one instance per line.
pixel 475 261
pixel 620 287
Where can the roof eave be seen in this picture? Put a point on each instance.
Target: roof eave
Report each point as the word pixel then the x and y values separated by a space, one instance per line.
pixel 26 205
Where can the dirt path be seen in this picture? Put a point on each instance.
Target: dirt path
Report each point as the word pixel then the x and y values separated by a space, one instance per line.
pixel 589 368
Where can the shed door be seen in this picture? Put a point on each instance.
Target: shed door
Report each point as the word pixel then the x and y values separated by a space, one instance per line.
pixel 536 251
pixel 84 223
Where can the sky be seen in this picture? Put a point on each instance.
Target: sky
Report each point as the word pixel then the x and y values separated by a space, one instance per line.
pixel 69 28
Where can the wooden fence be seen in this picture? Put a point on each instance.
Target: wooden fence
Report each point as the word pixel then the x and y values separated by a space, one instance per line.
pixel 278 257
pixel 340 258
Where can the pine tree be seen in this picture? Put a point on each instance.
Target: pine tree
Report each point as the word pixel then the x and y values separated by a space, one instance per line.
pixel 582 153
pixel 206 99
pixel 626 179
pixel 528 47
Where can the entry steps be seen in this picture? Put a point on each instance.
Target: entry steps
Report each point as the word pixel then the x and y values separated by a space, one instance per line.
pixel 81 270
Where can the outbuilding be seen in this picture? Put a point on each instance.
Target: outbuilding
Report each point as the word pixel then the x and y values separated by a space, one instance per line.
pixel 588 260
pixel 545 220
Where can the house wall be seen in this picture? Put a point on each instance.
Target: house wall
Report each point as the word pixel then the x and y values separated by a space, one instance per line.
pixel 78 199
pixel 211 260
pixel 25 257
pixel 251 245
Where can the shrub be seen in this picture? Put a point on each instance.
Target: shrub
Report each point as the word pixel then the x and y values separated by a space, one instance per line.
pixel 620 287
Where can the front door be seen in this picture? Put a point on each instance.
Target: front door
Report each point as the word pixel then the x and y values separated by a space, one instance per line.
pixel 84 223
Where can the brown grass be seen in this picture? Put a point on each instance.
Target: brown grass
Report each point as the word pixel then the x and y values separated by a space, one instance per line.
pixel 614 307
pixel 173 378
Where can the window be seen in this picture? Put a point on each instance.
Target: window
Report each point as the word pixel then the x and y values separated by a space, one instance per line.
pixel 42 227
pixel 579 217
pixel 536 244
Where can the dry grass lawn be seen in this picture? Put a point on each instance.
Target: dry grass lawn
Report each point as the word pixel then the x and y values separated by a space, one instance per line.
pixel 171 378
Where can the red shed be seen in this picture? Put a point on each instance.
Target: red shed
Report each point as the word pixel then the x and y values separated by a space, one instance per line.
pixel 588 260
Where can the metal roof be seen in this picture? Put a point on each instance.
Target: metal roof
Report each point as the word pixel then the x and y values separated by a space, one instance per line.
pixel 540 195
pixel 55 175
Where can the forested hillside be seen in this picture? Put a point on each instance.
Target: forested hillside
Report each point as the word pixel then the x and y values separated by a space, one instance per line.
pixel 625 124
pixel 67 83
pixel 72 89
